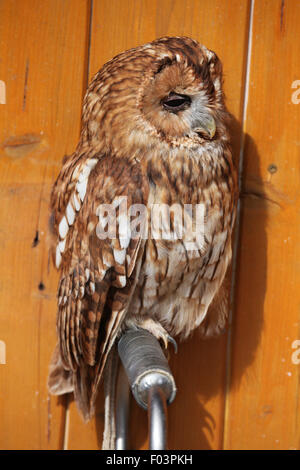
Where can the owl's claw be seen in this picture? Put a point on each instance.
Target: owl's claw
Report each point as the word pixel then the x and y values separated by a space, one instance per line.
pixel 172 340
pixel 166 339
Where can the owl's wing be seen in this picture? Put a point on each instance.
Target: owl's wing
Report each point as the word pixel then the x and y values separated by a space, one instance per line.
pixel 99 258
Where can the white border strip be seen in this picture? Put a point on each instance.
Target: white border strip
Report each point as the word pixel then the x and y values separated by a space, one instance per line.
pixel 2 92
pixel 237 231
pixel 67 425
pixel 246 90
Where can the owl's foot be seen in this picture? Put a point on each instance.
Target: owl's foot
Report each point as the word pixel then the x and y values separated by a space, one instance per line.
pixel 160 334
pixel 155 328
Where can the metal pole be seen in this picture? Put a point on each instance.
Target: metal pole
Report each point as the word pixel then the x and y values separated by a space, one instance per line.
pixel 122 410
pixel 157 410
pixel 150 379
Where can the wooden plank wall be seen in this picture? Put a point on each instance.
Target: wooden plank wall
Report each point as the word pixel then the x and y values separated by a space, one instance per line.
pixel 236 392
pixel 263 403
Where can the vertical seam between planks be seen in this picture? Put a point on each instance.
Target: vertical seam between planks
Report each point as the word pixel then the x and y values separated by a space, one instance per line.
pixel 88 47
pixel 237 227
pixel 246 92
pixel 90 5
pixel 89 40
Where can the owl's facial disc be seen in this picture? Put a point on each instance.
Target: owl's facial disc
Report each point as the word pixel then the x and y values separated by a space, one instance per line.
pixel 177 101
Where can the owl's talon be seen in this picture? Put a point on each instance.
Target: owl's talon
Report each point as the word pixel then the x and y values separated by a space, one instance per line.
pixel 166 339
pixel 172 340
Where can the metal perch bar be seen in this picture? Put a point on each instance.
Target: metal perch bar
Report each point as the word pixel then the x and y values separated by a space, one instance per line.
pixel 151 382
pixel 157 411
pixel 122 410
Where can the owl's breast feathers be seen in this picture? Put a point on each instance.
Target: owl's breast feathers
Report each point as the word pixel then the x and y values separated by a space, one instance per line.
pixel 178 281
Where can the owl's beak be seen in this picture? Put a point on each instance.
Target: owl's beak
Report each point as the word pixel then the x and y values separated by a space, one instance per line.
pixel 205 126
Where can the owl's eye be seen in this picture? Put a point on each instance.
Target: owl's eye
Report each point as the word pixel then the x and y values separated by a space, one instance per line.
pixel 175 102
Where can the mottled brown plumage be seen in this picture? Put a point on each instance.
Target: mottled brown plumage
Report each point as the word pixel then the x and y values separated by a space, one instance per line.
pixel 154 129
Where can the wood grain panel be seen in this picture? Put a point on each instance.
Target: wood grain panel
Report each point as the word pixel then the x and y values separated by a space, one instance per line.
pixel 263 406
pixel 48 51
pixel 43 64
pixel 196 417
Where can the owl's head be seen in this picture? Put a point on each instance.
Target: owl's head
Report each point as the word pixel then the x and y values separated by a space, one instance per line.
pixel 168 92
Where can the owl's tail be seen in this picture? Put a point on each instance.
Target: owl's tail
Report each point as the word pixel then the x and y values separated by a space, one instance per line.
pixel 61 381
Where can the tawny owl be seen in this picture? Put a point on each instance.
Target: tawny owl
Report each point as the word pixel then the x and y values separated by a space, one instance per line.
pixel 154 134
